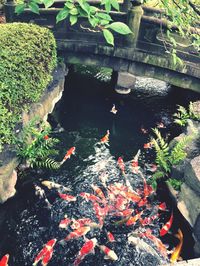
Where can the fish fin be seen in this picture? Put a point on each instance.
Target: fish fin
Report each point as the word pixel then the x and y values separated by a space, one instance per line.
pixel 106 257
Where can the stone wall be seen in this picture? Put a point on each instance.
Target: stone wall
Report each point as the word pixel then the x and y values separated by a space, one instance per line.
pixel 8 176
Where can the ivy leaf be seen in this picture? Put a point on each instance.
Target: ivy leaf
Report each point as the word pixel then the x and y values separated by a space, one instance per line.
pixel 73 19
pixel 34 7
pixel 120 28
pixel 108 36
pixel 20 8
pixel 48 3
pixel 62 15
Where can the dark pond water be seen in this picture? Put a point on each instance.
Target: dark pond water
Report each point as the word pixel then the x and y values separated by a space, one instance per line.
pixel 84 114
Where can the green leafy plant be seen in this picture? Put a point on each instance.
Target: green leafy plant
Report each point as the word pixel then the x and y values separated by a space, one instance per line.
pixel 175 183
pixel 167 157
pixel 99 20
pixel 35 147
pixel 182 116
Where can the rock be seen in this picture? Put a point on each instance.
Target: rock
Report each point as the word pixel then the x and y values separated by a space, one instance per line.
pixel 192 174
pixel 189 204
pixel 125 83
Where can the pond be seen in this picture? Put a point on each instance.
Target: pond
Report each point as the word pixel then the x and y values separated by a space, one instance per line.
pixel 84 117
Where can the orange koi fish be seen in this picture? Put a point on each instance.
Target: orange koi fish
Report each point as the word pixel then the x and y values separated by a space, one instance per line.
pixel 46 253
pixel 110 237
pixel 4 260
pixel 68 154
pixel 65 222
pixel 100 213
pixel 105 139
pixel 176 253
pixel 162 206
pixel 82 231
pixel 99 192
pixel 109 254
pixel 88 196
pixel 157 242
pixel 147 145
pixel 164 230
pixel 86 249
pixel 130 195
pixel 121 164
pixel 134 219
pixel 114 110
pixel 67 197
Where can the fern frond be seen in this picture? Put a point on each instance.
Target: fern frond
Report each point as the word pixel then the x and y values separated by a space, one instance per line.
pixel 48 164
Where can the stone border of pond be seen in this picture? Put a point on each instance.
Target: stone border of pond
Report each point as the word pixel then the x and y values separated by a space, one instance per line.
pixel 53 93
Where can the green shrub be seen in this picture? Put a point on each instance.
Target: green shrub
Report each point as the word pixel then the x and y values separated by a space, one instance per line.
pixel 27 59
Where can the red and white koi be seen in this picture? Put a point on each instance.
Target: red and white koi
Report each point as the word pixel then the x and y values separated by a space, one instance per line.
pixel 100 212
pixel 130 195
pixel 88 196
pixel 124 213
pixel 121 203
pixel 105 139
pixel 68 154
pixel 133 219
pixel 164 230
pixel 65 222
pixel 109 253
pixel 134 163
pixel 82 231
pixel 86 249
pixel 148 220
pixel 4 260
pixel 162 206
pixel 67 197
pixel 46 253
pixel 110 237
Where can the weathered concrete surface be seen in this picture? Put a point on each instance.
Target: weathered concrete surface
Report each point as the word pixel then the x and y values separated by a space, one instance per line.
pixel 8 177
pixel 125 83
pixel 192 174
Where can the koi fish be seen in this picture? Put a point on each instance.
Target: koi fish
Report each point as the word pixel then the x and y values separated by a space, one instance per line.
pixel 68 154
pixel 83 222
pixel 143 130
pixel 46 253
pixel 121 164
pixel 67 197
pixel 124 213
pixel 157 242
pixel 164 230
pixel 88 196
pixel 140 244
pixel 4 260
pixel 82 231
pixel 121 203
pixel 123 221
pixel 160 125
pixel 86 249
pixel 148 145
pixel 162 206
pixel 176 253
pixel 50 185
pixel 99 192
pixel 148 220
pixel 103 178
pixel 65 222
pixel 46 137
pixel 100 212
pixel 114 110
pixel 41 194
pixel 152 167
pixel 147 190
pixel 132 220
pixel 134 163
pixel 130 195
pixel 105 139
pixel 110 237
pixel 109 253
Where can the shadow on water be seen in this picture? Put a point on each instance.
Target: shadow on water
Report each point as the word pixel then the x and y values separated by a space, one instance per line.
pixel 84 114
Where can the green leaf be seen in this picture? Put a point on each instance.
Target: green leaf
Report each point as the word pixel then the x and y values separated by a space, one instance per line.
pixel 48 3
pixel 20 8
pixel 115 4
pixel 93 21
pixel 62 15
pixel 84 5
pixel 73 11
pixel 73 19
pixel 69 5
pixel 120 28
pixel 34 7
pixel 108 36
pixel 104 22
pixel 104 16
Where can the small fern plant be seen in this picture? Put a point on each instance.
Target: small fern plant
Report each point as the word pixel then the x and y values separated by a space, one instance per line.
pixel 167 157
pixel 182 116
pixel 35 147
